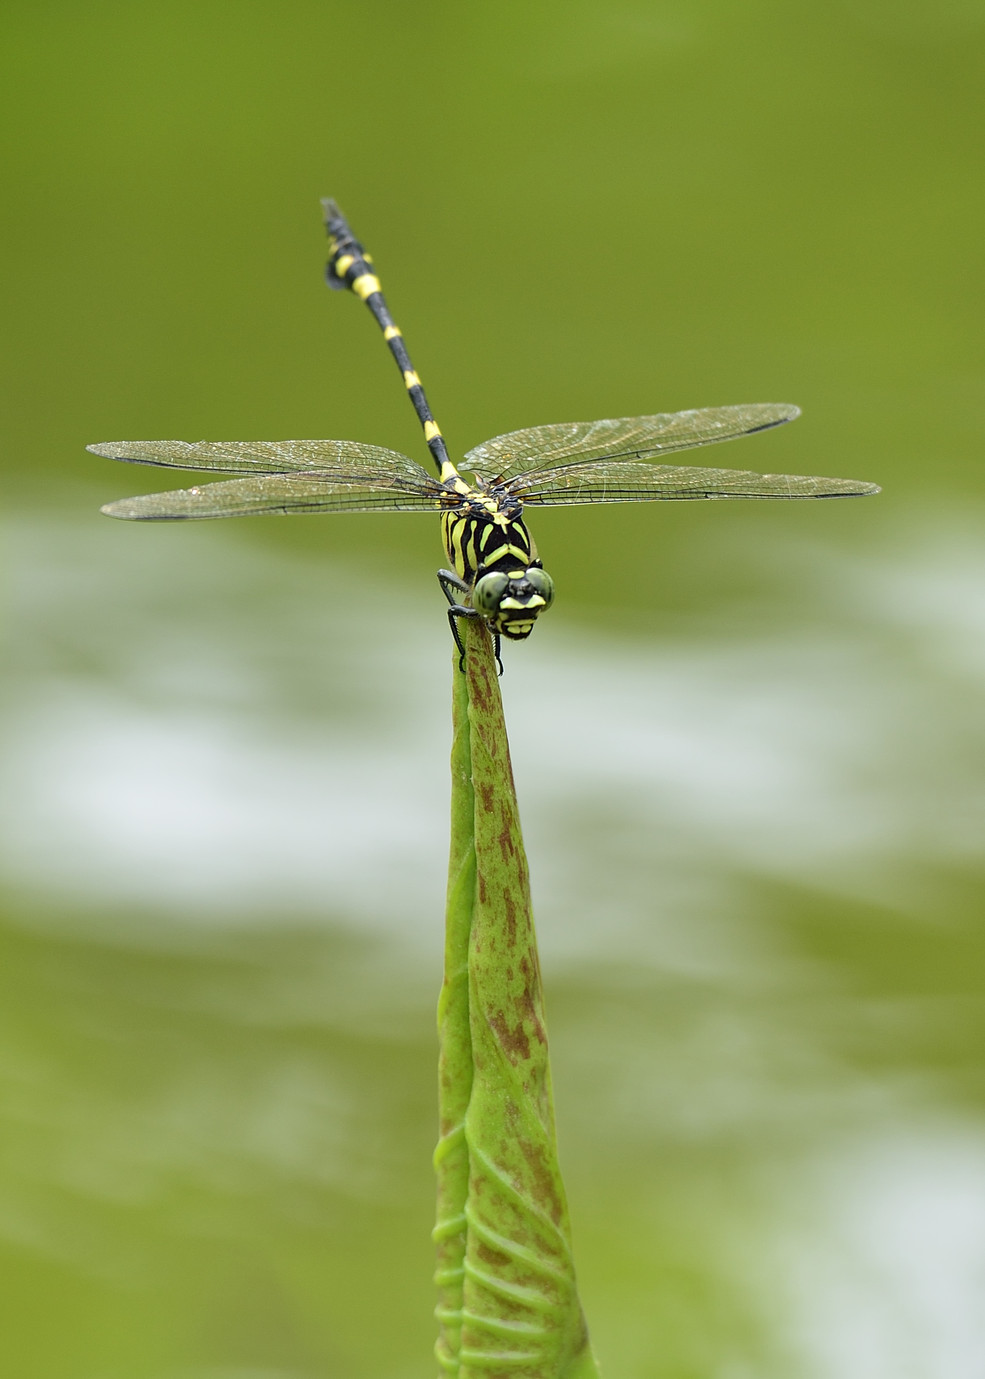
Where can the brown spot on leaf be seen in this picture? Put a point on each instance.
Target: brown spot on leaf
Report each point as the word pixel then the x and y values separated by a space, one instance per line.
pixel 506 844
pixel 512 1037
pixel 510 909
pixel 496 1259
pixel 545 1179
pixel 528 1001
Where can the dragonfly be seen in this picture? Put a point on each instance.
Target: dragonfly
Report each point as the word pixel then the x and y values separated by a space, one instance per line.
pixel 497 575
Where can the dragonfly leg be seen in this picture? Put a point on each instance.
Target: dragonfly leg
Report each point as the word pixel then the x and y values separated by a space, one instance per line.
pixel 456 611
pixel 449 582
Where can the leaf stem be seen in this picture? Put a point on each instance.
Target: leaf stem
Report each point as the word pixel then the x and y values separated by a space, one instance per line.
pixel 508 1303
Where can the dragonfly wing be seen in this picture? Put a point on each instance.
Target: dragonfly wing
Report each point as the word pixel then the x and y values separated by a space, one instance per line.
pixel 629 481
pixel 636 438
pixel 283 493
pixel 263 457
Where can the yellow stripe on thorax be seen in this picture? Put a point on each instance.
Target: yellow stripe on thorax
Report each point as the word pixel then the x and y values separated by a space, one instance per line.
pixel 453 530
pixel 517 552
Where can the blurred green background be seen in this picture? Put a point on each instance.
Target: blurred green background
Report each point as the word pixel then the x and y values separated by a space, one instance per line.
pixel 749 739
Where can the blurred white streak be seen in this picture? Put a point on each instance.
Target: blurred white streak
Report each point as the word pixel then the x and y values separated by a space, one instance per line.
pixel 236 735
pixel 882 1267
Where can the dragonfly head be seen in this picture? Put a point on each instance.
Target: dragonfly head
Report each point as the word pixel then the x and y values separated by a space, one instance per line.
pixel 510 602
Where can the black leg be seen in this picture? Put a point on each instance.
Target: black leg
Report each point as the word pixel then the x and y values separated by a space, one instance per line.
pixel 455 612
pixel 449 582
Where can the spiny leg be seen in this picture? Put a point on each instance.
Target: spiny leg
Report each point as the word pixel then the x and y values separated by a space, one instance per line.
pixel 449 581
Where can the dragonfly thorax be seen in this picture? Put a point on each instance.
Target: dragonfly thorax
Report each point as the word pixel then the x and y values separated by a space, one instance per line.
pixel 482 533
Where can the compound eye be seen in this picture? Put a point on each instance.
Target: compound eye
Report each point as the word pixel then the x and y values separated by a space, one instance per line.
pixel 488 592
pixel 542 584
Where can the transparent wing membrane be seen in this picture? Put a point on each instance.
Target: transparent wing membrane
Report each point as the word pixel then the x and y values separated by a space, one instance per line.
pixel 283 494
pixel 589 462
pixel 628 481
pixel 266 457
pixel 627 438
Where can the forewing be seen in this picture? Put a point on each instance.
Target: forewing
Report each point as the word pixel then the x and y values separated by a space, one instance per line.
pixel 283 494
pixel 264 457
pixel 621 437
pixel 632 481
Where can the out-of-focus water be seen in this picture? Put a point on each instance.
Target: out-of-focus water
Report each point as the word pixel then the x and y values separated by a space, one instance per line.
pixel 753 859
pixel 748 740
